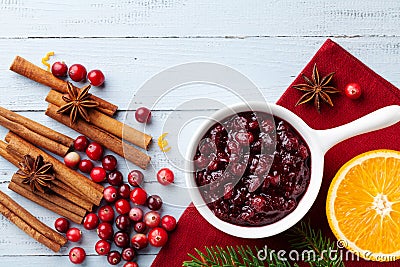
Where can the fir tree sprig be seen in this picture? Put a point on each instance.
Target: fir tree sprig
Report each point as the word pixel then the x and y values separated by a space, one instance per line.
pixel 234 257
pixel 326 253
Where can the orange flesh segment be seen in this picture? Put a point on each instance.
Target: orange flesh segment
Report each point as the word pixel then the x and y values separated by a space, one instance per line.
pixel 367 205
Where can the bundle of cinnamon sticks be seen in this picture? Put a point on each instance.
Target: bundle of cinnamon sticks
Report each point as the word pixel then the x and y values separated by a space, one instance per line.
pixel 102 128
pixel 71 194
pixel 30 224
pixel 36 133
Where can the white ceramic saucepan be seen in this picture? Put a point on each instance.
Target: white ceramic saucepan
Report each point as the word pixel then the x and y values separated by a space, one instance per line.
pixel 318 141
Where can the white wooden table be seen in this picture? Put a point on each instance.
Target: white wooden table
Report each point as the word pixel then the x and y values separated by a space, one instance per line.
pixel 268 41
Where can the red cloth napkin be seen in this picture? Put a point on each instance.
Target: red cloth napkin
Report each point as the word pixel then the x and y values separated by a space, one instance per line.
pixel 195 232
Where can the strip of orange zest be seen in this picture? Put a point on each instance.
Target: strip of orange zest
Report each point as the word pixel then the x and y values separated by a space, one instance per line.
pixel 46 58
pixel 167 149
pixel 163 143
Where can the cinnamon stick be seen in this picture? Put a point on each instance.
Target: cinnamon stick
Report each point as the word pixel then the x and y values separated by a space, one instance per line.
pixel 45 203
pixel 8 156
pixel 69 189
pixel 106 139
pixel 75 180
pixel 57 186
pixel 22 213
pixel 28 229
pixel 74 199
pixel 15 158
pixel 36 127
pixel 35 73
pixel 107 123
pixel 59 201
pixel 34 138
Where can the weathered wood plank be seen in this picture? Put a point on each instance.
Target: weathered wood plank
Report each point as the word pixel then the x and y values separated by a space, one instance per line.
pixel 269 41
pixel 271 63
pixel 190 18
pixel 51 261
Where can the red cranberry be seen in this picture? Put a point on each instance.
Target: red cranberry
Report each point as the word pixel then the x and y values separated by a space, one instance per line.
pixel 114 257
pixel 105 231
pixel 165 176
pixel 152 219
pixel 303 151
pixel 154 202
pixel 131 264
pixel 168 222
pixel 74 234
pixel 98 174
pixel 110 194
pixel 138 196
pixel 124 191
pixel 201 162
pixel 135 178
pixel 77 255
pixel 91 221
pixel 128 254
pixel 274 179
pixel 77 72
pixel 59 69
pixel 96 77
pixel 267 125
pixel 136 214
pixel 258 203
pixel 94 151
pixel 61 225
pixel 123 222
pixel 244 138
pixel 239 123
pixel 158 237
pixel 143 115
pixel 140 227
pixel 228 191
pixel 72 160
pixel 139 241
pixel 122 206
pixel 121 239
pixel 85 166
pixel 213 166
pixel 253 125
pixel 109 163
pixel 106 213
pixel 353 90
pixel 206 147
pixel 115 178
pixel 81 143
pixel 102 247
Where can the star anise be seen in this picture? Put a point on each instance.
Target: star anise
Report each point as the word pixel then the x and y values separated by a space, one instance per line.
pixel 77 103
pixel 36 172
pixel 316 88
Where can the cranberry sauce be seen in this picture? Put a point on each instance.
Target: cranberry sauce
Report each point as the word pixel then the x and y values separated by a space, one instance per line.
pixel 252 168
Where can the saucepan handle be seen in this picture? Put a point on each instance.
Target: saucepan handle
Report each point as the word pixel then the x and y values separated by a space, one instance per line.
pixel 376 120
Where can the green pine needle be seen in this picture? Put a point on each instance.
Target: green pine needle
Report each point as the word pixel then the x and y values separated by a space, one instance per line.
pixel 325 252
pixel 303 237
pixel 233 257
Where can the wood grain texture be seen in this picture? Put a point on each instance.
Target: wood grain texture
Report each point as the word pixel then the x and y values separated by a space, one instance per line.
pixel 62 260
pixel 268 41
pixel 191 18
pixel 271 63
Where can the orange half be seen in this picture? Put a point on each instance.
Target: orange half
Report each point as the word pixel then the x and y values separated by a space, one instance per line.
pixel 363 205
